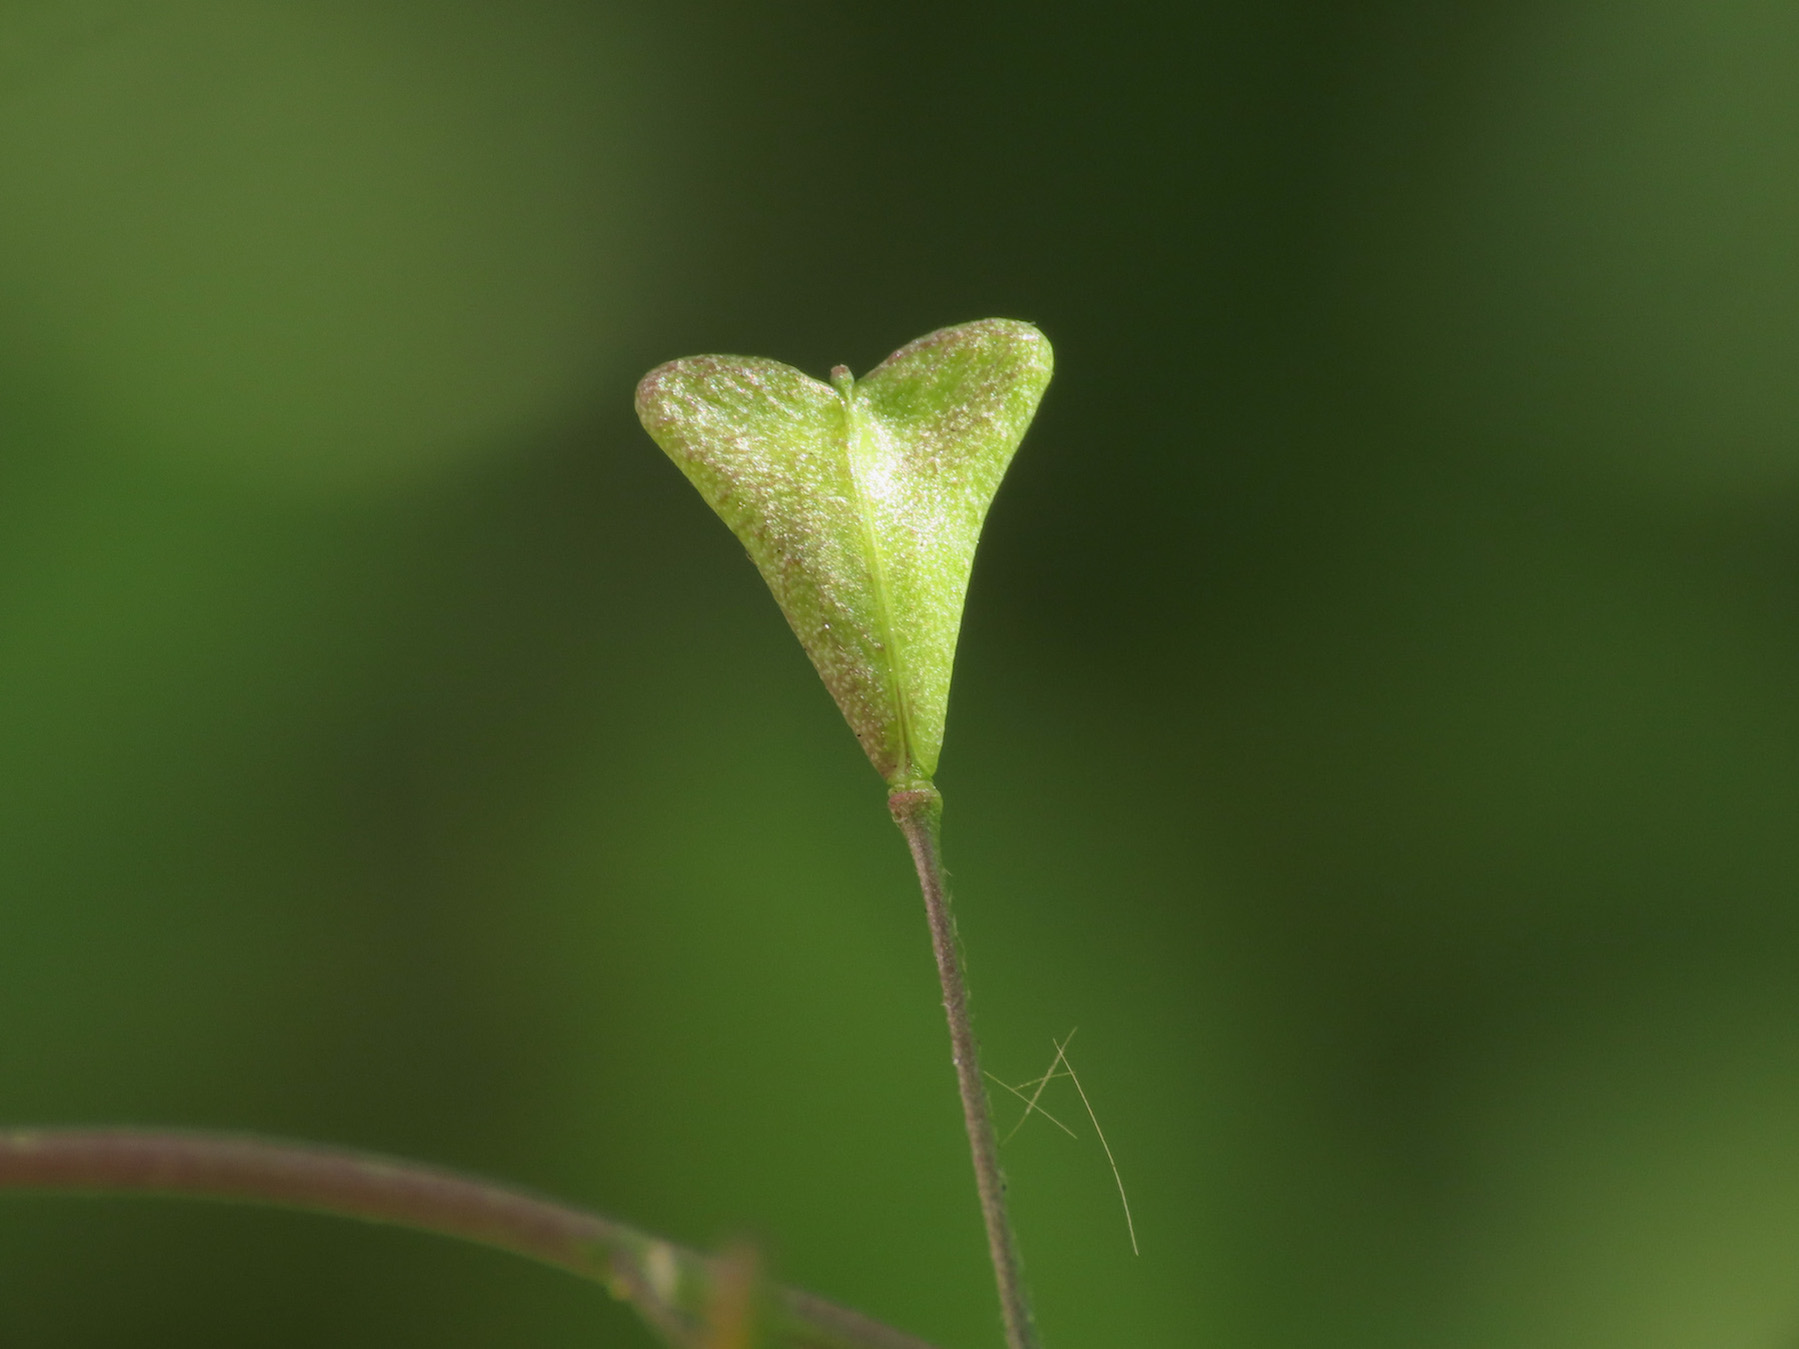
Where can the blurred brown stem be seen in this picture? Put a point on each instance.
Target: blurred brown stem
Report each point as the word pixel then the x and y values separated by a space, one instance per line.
pixel 671 1286
pixel 917 811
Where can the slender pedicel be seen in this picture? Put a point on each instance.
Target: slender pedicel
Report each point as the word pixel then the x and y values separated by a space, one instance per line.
pixel 918 813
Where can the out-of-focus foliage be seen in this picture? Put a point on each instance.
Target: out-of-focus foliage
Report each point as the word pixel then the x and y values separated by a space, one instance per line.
pixel 1375 724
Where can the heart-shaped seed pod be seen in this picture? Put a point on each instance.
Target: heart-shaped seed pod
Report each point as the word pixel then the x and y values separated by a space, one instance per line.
pixel 861 502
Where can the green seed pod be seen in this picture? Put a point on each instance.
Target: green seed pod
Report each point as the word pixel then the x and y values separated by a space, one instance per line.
pixel 861 502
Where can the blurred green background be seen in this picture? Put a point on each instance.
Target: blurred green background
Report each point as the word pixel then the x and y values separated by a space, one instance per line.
pixel 1375 729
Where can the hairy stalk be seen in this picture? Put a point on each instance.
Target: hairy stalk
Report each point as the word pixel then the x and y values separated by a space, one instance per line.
pixel 672 1288
pixel 917 812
